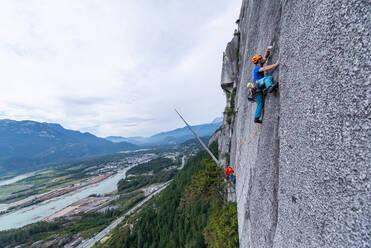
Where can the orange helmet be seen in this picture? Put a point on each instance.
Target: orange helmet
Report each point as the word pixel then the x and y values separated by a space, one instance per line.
pixel 256 58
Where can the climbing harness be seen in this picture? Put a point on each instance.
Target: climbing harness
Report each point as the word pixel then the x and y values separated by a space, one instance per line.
pixel 250 95
pixel 250 98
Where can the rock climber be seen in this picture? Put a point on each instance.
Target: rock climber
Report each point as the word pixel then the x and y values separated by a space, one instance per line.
pixel 230 174
pixel 260 82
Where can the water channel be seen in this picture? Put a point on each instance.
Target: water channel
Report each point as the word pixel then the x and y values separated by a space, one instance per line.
pixel 39 211
pixel 16 179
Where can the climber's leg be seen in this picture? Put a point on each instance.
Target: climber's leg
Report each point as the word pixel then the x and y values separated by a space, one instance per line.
pixel 260 83
pixel 259 107
pixel 234 182
pixel 269 84
pixel 268 81
pixel 232 178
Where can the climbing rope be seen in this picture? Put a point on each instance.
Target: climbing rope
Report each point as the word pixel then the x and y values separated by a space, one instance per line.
pixel 243 142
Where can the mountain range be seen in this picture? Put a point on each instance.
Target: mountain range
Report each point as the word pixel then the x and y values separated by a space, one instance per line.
pixel 172 137
pixel 25 144
pixel 29 145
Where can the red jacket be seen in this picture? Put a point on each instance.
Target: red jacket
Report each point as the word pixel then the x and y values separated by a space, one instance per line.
pixel 229 171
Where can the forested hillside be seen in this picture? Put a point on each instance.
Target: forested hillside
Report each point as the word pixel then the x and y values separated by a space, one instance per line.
pixel 191 212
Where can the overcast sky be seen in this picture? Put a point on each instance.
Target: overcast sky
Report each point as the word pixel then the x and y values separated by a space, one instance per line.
pixel 114 67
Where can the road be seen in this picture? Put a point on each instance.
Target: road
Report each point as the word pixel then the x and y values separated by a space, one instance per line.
pixel 183 162
pixel 90 242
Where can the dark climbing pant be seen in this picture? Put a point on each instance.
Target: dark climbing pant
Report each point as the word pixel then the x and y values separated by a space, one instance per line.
pixel 259 107
pixel 265 82
pixel 233 179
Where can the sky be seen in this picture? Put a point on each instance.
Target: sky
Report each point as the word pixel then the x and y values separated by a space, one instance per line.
pixel 114 67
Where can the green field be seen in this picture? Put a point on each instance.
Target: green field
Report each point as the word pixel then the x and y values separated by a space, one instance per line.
pixel 40 183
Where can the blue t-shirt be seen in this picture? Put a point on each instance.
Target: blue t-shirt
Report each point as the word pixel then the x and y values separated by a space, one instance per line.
pixel 258 75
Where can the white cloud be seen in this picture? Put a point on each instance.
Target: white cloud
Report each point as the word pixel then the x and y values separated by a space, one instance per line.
pixel 113 67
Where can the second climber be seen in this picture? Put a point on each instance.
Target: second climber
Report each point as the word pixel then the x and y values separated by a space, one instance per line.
pixel 230 175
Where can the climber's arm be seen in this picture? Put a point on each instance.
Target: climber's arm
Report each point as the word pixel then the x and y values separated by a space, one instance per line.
pixel 267 53
pixel 268 67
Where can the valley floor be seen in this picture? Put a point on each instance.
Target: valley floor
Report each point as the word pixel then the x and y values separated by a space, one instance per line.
pixel 91 200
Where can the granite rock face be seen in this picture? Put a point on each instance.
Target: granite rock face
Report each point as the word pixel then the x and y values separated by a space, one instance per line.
pixel 302 175
pixel 230 64
pixel 229 79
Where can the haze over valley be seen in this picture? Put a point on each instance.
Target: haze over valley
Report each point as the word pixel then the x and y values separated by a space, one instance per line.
pixel 29 145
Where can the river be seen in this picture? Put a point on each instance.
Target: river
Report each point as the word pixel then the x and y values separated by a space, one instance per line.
pixel 37 212
pixel 16 179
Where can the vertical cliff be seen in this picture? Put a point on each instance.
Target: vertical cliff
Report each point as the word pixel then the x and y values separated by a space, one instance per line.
pixel 302 175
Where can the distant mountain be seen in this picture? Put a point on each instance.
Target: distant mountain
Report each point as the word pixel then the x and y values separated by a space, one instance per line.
pixel 217 120
pixel 172 137
pixel 133 140
pixel 25 144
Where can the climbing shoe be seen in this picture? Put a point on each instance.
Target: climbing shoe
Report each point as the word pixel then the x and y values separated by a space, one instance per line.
pixel 251 99
pixel 256 120
pixel 272 88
